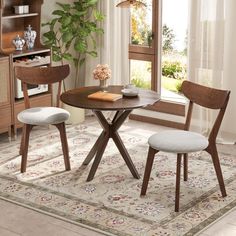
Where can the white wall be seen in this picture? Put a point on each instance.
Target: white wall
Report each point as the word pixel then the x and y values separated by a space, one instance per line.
pixel 47 8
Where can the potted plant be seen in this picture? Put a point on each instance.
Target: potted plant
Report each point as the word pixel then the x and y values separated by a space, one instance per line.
pixel 71 33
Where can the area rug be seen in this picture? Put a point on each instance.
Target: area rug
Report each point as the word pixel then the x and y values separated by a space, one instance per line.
pixel 111 202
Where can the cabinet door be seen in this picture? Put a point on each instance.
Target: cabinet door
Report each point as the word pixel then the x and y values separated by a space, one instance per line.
pixel 4 82
pixel 5 96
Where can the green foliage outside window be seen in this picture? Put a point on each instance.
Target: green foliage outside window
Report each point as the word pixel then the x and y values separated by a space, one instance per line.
pixel 174 69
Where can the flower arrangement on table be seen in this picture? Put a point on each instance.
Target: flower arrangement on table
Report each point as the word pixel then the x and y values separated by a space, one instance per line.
pixel 102 72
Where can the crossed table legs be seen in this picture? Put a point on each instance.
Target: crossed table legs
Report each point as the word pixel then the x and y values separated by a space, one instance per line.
pixel 110 130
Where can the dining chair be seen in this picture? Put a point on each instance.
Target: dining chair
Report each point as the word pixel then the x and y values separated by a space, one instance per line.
pixel 184 141
pixel 37 116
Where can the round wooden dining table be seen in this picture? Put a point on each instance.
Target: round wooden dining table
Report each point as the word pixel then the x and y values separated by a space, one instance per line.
pixel 123 107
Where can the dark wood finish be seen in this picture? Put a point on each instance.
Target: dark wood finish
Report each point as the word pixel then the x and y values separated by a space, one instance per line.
pixel 168 107
pixel 209 98
pixel 157 121
pixel 212 150
pixel 40 75
pixel 163 107
pixel 35 51
pixel 185 166
pixel 148 168
pixel 13 24
pixel 62 129
pixel 123 107
pixel 213 99
pixel 24 146
pixel 177 186
pixel 10 26
pixel 79 98
pixel 99 152
pixel 45 75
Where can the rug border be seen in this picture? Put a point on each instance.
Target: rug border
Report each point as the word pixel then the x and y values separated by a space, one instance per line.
pixel 56 214
pixel 53 214
pixel 212 219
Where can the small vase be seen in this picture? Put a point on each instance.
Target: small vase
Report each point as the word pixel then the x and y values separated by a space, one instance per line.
pixel 18 42
pixel 30 36
pixel 104 85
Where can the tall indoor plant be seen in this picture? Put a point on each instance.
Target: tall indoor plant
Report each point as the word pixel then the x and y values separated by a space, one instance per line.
pixel 72 33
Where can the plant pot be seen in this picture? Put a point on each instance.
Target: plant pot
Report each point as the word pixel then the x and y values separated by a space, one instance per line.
pixel 77 115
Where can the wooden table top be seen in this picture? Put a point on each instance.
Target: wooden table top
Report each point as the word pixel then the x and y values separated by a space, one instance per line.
pixel 79 98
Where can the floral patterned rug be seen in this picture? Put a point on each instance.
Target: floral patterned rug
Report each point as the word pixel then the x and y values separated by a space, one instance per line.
pixel 111 202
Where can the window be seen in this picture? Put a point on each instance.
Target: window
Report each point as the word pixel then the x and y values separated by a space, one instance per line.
pixel 158 52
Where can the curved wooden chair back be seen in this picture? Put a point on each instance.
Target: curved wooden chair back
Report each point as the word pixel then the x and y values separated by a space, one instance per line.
pixel 206 97
pixel 41 75
pixel 209 98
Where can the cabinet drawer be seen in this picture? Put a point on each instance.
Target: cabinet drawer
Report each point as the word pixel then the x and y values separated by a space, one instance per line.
pixel 5 116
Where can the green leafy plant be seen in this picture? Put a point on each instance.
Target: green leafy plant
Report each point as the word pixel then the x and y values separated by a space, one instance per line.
pixel 171 84
pixel 140 83
pixel 173 69
pixel 72 32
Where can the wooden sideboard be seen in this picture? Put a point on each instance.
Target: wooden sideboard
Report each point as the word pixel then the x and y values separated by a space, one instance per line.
pixel 11 25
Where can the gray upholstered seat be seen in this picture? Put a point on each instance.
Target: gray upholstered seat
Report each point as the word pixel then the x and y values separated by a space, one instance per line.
pixel 43 116
pixel 178 141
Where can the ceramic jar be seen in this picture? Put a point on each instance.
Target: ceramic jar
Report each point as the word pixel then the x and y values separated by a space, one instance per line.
pixel 18 42
pixel 30 36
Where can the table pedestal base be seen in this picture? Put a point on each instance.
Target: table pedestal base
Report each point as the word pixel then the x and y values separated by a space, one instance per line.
pixel 110 130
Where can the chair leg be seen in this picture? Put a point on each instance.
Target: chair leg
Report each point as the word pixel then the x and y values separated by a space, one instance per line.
pixel 24 146
pixel 65 149
pixel 215 158
pixel 177 191
pixel 185 166
pixel 22 140
pixel 148 168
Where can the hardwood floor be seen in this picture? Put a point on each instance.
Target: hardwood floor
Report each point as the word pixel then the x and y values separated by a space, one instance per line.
pixel 16 220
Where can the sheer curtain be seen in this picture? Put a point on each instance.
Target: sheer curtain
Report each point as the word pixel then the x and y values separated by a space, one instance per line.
pixel 212 53
pixel 113 45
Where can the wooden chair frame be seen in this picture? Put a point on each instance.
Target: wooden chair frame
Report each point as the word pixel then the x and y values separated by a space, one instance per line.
pixel 42 75
pixel 209 98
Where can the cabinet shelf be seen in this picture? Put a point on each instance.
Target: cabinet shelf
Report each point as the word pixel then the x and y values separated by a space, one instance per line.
pixel 15 16
pixel 29 52
pixel 25 52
